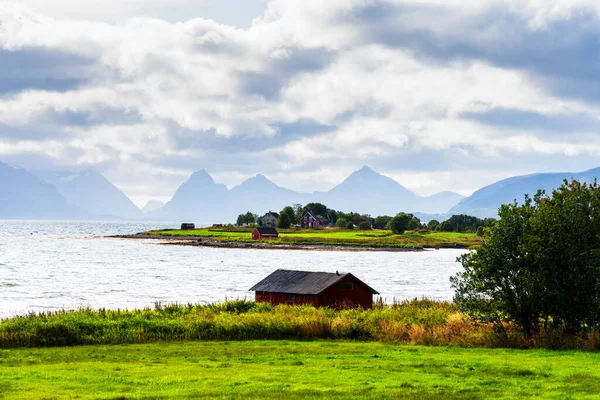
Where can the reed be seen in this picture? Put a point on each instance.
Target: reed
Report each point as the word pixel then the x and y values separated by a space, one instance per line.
pixel 422 322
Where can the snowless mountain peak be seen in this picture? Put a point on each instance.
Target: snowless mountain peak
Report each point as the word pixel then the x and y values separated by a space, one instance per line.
pixel 201 177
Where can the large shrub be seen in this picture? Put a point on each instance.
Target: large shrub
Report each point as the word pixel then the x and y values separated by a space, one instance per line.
pixel 364 226
pixel 539 265
pixel 399 223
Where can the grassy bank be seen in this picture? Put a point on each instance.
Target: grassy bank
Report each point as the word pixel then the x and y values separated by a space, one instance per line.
pixel 333 237
pixel 294 370
pixel 235 320
pixel 420 322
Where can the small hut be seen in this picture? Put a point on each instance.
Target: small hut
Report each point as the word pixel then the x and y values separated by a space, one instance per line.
pixel 264 233
pixel 187 226
pixel 320 289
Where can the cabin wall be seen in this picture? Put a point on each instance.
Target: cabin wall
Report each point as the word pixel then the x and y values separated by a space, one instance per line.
pixel 358 296
pixel 282 298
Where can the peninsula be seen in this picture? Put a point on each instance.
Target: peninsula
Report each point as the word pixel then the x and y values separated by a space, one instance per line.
pixel 313 239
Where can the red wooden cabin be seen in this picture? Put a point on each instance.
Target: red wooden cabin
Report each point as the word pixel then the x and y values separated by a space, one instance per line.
pixel 321 289
pixel 264 233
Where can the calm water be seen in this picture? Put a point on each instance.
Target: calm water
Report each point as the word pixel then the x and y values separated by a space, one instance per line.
pixel 53 265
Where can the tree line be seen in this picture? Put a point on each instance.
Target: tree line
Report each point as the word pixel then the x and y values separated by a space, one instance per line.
pixel 401 222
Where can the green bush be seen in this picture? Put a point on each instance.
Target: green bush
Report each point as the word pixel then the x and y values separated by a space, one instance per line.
pixel 341 223
pixel 364 226
pixel 399 223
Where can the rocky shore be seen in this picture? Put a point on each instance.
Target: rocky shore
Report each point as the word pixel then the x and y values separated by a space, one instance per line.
pixel 210 242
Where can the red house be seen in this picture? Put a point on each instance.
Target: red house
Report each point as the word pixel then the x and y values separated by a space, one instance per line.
pixel 310 220
pixel 321 289
pixel 264 233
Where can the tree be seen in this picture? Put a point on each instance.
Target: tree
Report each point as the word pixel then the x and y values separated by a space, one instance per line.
pixel 433 224
pixel 399 223
pixel 414 223
pixel 464 224
pixel 291 215
pixel 350 225
pixel 283 222
pixel 381 222
pixel 498 282
pixel 341 223
pixel 246 219
pixel 364 226
pixel 297 212
pixel 538 264
pixel 320 210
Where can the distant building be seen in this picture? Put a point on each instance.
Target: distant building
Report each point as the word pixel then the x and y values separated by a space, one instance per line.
pixel 270 219
pixel 264 233
pixel 187 226
pixel 361 220
pixel 321 289
pixel 310 220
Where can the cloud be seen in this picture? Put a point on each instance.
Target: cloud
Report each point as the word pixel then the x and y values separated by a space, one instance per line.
pixel 307 93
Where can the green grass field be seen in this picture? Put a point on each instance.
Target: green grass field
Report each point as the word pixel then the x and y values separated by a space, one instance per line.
pixel 335 237
pixel 295 370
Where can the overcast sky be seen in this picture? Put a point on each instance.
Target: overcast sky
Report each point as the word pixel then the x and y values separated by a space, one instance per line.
pixel 437 94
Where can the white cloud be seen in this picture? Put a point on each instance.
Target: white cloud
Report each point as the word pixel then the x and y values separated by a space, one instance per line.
pixel 164 98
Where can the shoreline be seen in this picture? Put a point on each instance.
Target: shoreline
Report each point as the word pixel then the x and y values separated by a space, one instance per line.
pixel 199 241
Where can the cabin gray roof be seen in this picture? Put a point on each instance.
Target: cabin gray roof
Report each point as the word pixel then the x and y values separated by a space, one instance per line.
pixel 302 282
pixel 267 231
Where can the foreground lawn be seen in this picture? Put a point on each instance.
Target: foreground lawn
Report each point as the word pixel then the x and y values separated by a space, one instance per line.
pixel 294 370
pixel 335 237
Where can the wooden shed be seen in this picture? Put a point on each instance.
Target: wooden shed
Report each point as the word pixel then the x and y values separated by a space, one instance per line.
pixel 321 289
pixel 264 233
pixel 187 226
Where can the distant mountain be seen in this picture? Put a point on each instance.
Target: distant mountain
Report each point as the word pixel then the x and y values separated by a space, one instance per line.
pixel 199 200
pixel 92 192
pixel 25 196
pixel 259 194
pixel 369 192
pixel 152 206
pixel 439 203
pixel 486 201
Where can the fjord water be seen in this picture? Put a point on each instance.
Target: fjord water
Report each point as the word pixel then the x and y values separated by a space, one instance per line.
pixel 48 266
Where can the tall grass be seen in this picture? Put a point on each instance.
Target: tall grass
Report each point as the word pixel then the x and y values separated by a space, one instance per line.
pixel 422 322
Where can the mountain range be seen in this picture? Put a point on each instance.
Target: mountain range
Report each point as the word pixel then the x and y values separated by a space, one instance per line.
pixel 89 195
pixel 23 196
pixel 91 192
pixel 365 191
pixel 486 201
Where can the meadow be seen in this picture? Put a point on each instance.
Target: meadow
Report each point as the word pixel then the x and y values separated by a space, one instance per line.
pixel 295 370
pixel 419 349
pixel 333 237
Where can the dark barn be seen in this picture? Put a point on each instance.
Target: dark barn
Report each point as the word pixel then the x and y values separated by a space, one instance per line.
pixel 264 233
pixel 321 289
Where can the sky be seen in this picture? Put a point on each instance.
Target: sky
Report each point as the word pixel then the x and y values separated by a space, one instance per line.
pixel 437 94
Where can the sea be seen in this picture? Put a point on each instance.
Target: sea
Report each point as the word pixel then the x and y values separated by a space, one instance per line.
pixel 47 266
